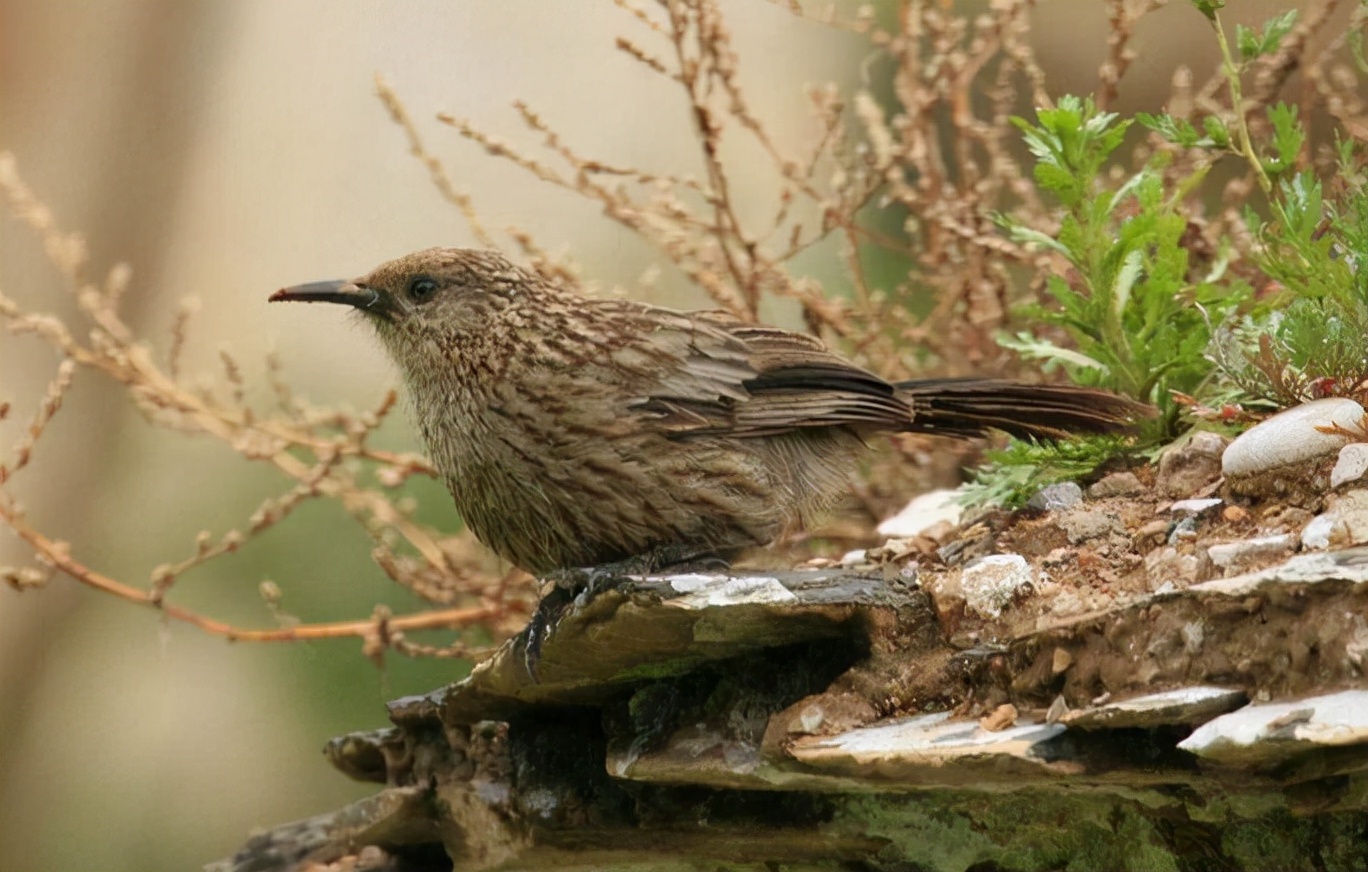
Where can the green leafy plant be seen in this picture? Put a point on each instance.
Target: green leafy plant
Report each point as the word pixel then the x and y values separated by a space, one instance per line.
pixel 1306 337
pixel 1138 320
pixel 1309 339
pixel 1146 315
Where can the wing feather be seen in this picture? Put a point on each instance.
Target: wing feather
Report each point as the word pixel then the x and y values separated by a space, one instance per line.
pixel 748 381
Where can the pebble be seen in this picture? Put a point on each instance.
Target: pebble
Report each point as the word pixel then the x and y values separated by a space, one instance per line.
pixel 1343 524
pixel 1194 507
pixel 1229 555
pixel 1183 531
pixel 1054 497
pixel 1187 468
pixel 1351 464
pixel 1165 565
pixel 922 513
pixel 1118 484
pixel 1000 718
pixel 1283 455
pixel 1316 534
pixel 1085 526
pixel 1153 530
pixel 990 583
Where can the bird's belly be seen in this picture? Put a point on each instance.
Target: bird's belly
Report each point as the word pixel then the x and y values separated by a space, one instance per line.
pixel 597 501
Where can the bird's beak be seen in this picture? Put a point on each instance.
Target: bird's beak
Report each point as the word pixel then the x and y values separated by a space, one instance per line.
pixel 328 292
pixel 346 292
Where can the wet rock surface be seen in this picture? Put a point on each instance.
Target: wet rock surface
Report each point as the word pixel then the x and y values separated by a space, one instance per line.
pixel 1151 676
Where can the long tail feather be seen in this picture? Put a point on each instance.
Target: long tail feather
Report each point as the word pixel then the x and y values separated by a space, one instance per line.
pixel 972 406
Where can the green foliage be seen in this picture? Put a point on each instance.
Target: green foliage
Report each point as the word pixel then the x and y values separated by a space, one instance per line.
pixel 1288 138
pixel 1214 134
pixel 1253 45
pixel 1309 339
pixel 1012 474
pixel 1139 322
pixel 1142 320
pixel 1071 144
pixel 1286 142
pixel 1209 8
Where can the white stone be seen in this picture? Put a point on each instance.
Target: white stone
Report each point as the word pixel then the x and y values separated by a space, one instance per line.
pixel 1309 568
pixel 1278 730
pixel 1166 565
pixel 1316 534
pixel 990 583
pixel 1229 554
pixel 1186 705
pixel 1194 507
pixel 724 590
pixel 1291 437
pixel 854 558
pixel 923 513
pixel 931 739
pixel 1351 465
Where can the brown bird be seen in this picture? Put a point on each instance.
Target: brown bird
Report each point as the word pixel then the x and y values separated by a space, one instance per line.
pixel 575 432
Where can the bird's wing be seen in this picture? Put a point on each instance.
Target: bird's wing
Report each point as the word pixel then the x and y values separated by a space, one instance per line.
pixel 716 375
pixel 801 383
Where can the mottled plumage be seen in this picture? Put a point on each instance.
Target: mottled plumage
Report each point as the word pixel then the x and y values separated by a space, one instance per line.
pixel 574 432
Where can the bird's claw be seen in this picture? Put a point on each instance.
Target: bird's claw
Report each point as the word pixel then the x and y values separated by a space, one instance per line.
pixel 539 626
pixel 577 586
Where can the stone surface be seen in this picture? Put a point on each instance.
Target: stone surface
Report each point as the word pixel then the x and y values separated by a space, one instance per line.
pixel 935 750
pixel 1316 534
pixel 1185 705
pixel 1344 522
pixel 1052 498
pixel 1167 565
pixel 822 720
pixel 1350 465
pixel 388 816
pixel 1185 508
pixel 1117 484
pixel 1274 732
pixel 1187 468
pixel 923 513
pixel 990 583
pixel 1349 565
pixel 1290 454
pixel 1231 556
pixel 1086 525
pixel 661 626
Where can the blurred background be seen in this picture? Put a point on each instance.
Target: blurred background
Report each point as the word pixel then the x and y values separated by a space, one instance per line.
pixel 224 150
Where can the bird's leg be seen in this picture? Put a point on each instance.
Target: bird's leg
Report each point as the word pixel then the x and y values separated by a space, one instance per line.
pixel 539 626
pixel 579 585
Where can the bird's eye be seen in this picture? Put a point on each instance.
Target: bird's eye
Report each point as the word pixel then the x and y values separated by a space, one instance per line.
pixel 421 289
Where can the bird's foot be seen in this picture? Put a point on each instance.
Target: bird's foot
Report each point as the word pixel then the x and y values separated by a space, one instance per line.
pixel 570 586
pixel 577 586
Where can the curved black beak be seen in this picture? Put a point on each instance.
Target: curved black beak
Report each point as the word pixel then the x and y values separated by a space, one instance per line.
pixel 348 293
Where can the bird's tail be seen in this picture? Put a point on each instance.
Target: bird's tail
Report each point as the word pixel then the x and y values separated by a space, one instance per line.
pixel 972 406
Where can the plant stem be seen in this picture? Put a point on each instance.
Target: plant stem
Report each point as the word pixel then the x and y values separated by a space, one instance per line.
pixel 1232 73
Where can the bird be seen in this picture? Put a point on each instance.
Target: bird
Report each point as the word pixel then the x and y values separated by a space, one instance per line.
pixel 578 432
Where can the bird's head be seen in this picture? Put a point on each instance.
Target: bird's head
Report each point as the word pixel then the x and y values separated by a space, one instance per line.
pixel 448 292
